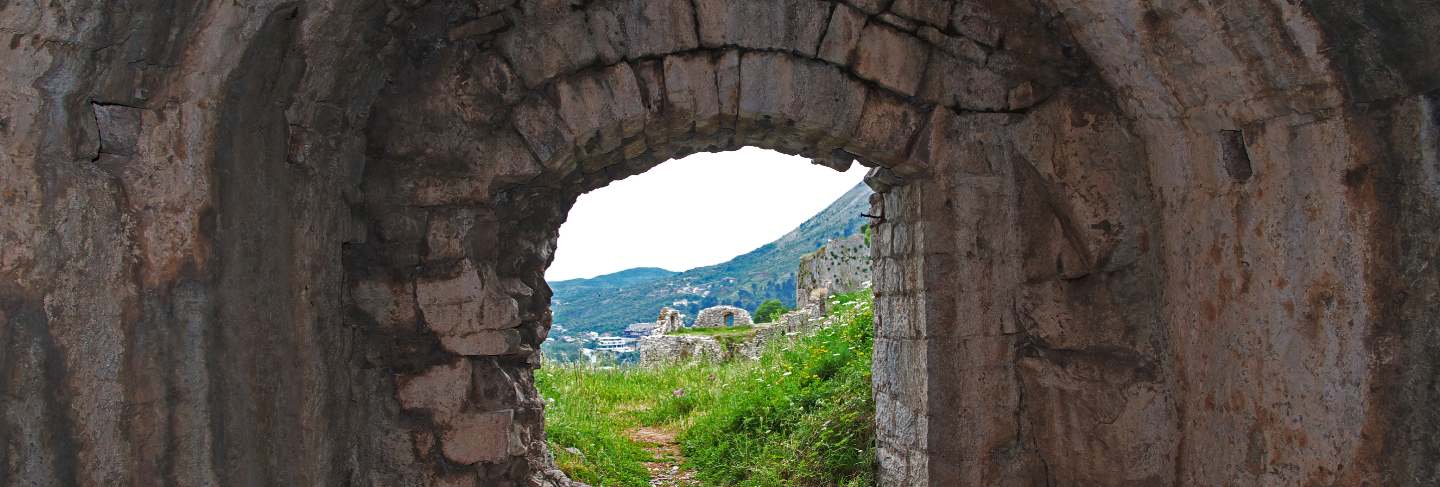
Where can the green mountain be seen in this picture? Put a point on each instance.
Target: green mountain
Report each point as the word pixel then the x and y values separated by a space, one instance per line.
pixel 625 278
pixel 606 304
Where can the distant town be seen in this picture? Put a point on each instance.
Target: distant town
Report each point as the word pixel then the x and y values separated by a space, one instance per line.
pixel 594 347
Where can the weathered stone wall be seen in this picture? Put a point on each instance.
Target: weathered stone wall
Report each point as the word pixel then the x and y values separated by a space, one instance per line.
pixel 841 265
pixel 668 321
pixel 789 326
pixel 174 179
pixel 1121 242
pixel 721 316
pixel 660 350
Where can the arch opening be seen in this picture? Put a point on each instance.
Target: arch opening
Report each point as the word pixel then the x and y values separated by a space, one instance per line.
pixel 722 231
pixel 527 127
pixel 482 297
pixel 1073 261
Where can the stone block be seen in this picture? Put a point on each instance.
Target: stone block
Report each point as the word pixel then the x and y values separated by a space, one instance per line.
pixel 516 288
pixel 956 83
pixel 933 12
pixel 547 135
pixel 441 389
pixel 969 144
pixel 390 304
pixel 973 21
pixel 900 366
pixel 484 342
pixel 727 85
pixel 887 125
pixel 882 179
pixel 960 47
pixel 1101 201
pixel 690 93
pixel 459 306
pixel 892 58
pixel 630 29
pixel 817 101
pixel 542 50
pixel 451 304
pixel 501 384
pixel 468 173
pixel 846 23
pixel 788 25
pixel 650 74
pixel 601 108
pixel 474 437
pixel 506 159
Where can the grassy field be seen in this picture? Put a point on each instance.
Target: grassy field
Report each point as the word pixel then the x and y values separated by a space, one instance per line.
pixel 800 416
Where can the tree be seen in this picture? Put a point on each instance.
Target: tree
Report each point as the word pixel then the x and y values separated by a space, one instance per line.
pixel 769 310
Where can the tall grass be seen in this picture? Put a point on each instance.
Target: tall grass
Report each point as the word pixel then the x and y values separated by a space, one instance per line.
pixel 802 415
pixel 805 416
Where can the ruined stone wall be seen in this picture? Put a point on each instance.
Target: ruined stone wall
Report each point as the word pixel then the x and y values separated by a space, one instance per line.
pixel 1120 242
pixel 668 321
pixel 661 350
pixel 841 265
pixel 721 316
pixel 789 326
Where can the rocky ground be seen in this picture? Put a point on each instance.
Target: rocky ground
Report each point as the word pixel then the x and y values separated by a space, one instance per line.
pixel 667 471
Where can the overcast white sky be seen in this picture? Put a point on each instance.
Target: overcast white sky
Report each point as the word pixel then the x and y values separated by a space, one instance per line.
pixel 697 211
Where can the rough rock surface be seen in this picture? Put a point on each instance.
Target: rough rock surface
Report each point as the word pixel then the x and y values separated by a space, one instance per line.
pixel 668 321
pixel 1122 242
pixel 841 265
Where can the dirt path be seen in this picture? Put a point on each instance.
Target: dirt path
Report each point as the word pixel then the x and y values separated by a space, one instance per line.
pixel 667 472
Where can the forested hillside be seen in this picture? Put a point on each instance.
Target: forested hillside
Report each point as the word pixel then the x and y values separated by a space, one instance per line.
pixel 606 304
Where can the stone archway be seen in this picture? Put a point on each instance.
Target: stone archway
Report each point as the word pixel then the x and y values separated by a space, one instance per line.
pixel 1122 242
pixel 722 316
pixel 561 128
pixel 504 133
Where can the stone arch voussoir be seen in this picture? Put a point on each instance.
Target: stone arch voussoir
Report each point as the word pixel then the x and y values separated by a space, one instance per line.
pixel 481 149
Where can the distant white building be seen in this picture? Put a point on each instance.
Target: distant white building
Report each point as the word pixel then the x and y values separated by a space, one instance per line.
pixel 615 344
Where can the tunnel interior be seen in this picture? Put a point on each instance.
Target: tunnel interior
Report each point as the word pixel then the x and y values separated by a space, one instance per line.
pixel 1120 242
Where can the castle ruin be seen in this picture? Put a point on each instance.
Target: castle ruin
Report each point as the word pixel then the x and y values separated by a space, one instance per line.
pixel 722 316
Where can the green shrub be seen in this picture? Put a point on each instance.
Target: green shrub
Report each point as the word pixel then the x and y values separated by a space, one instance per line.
pixel 805 417
pixel 769 310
